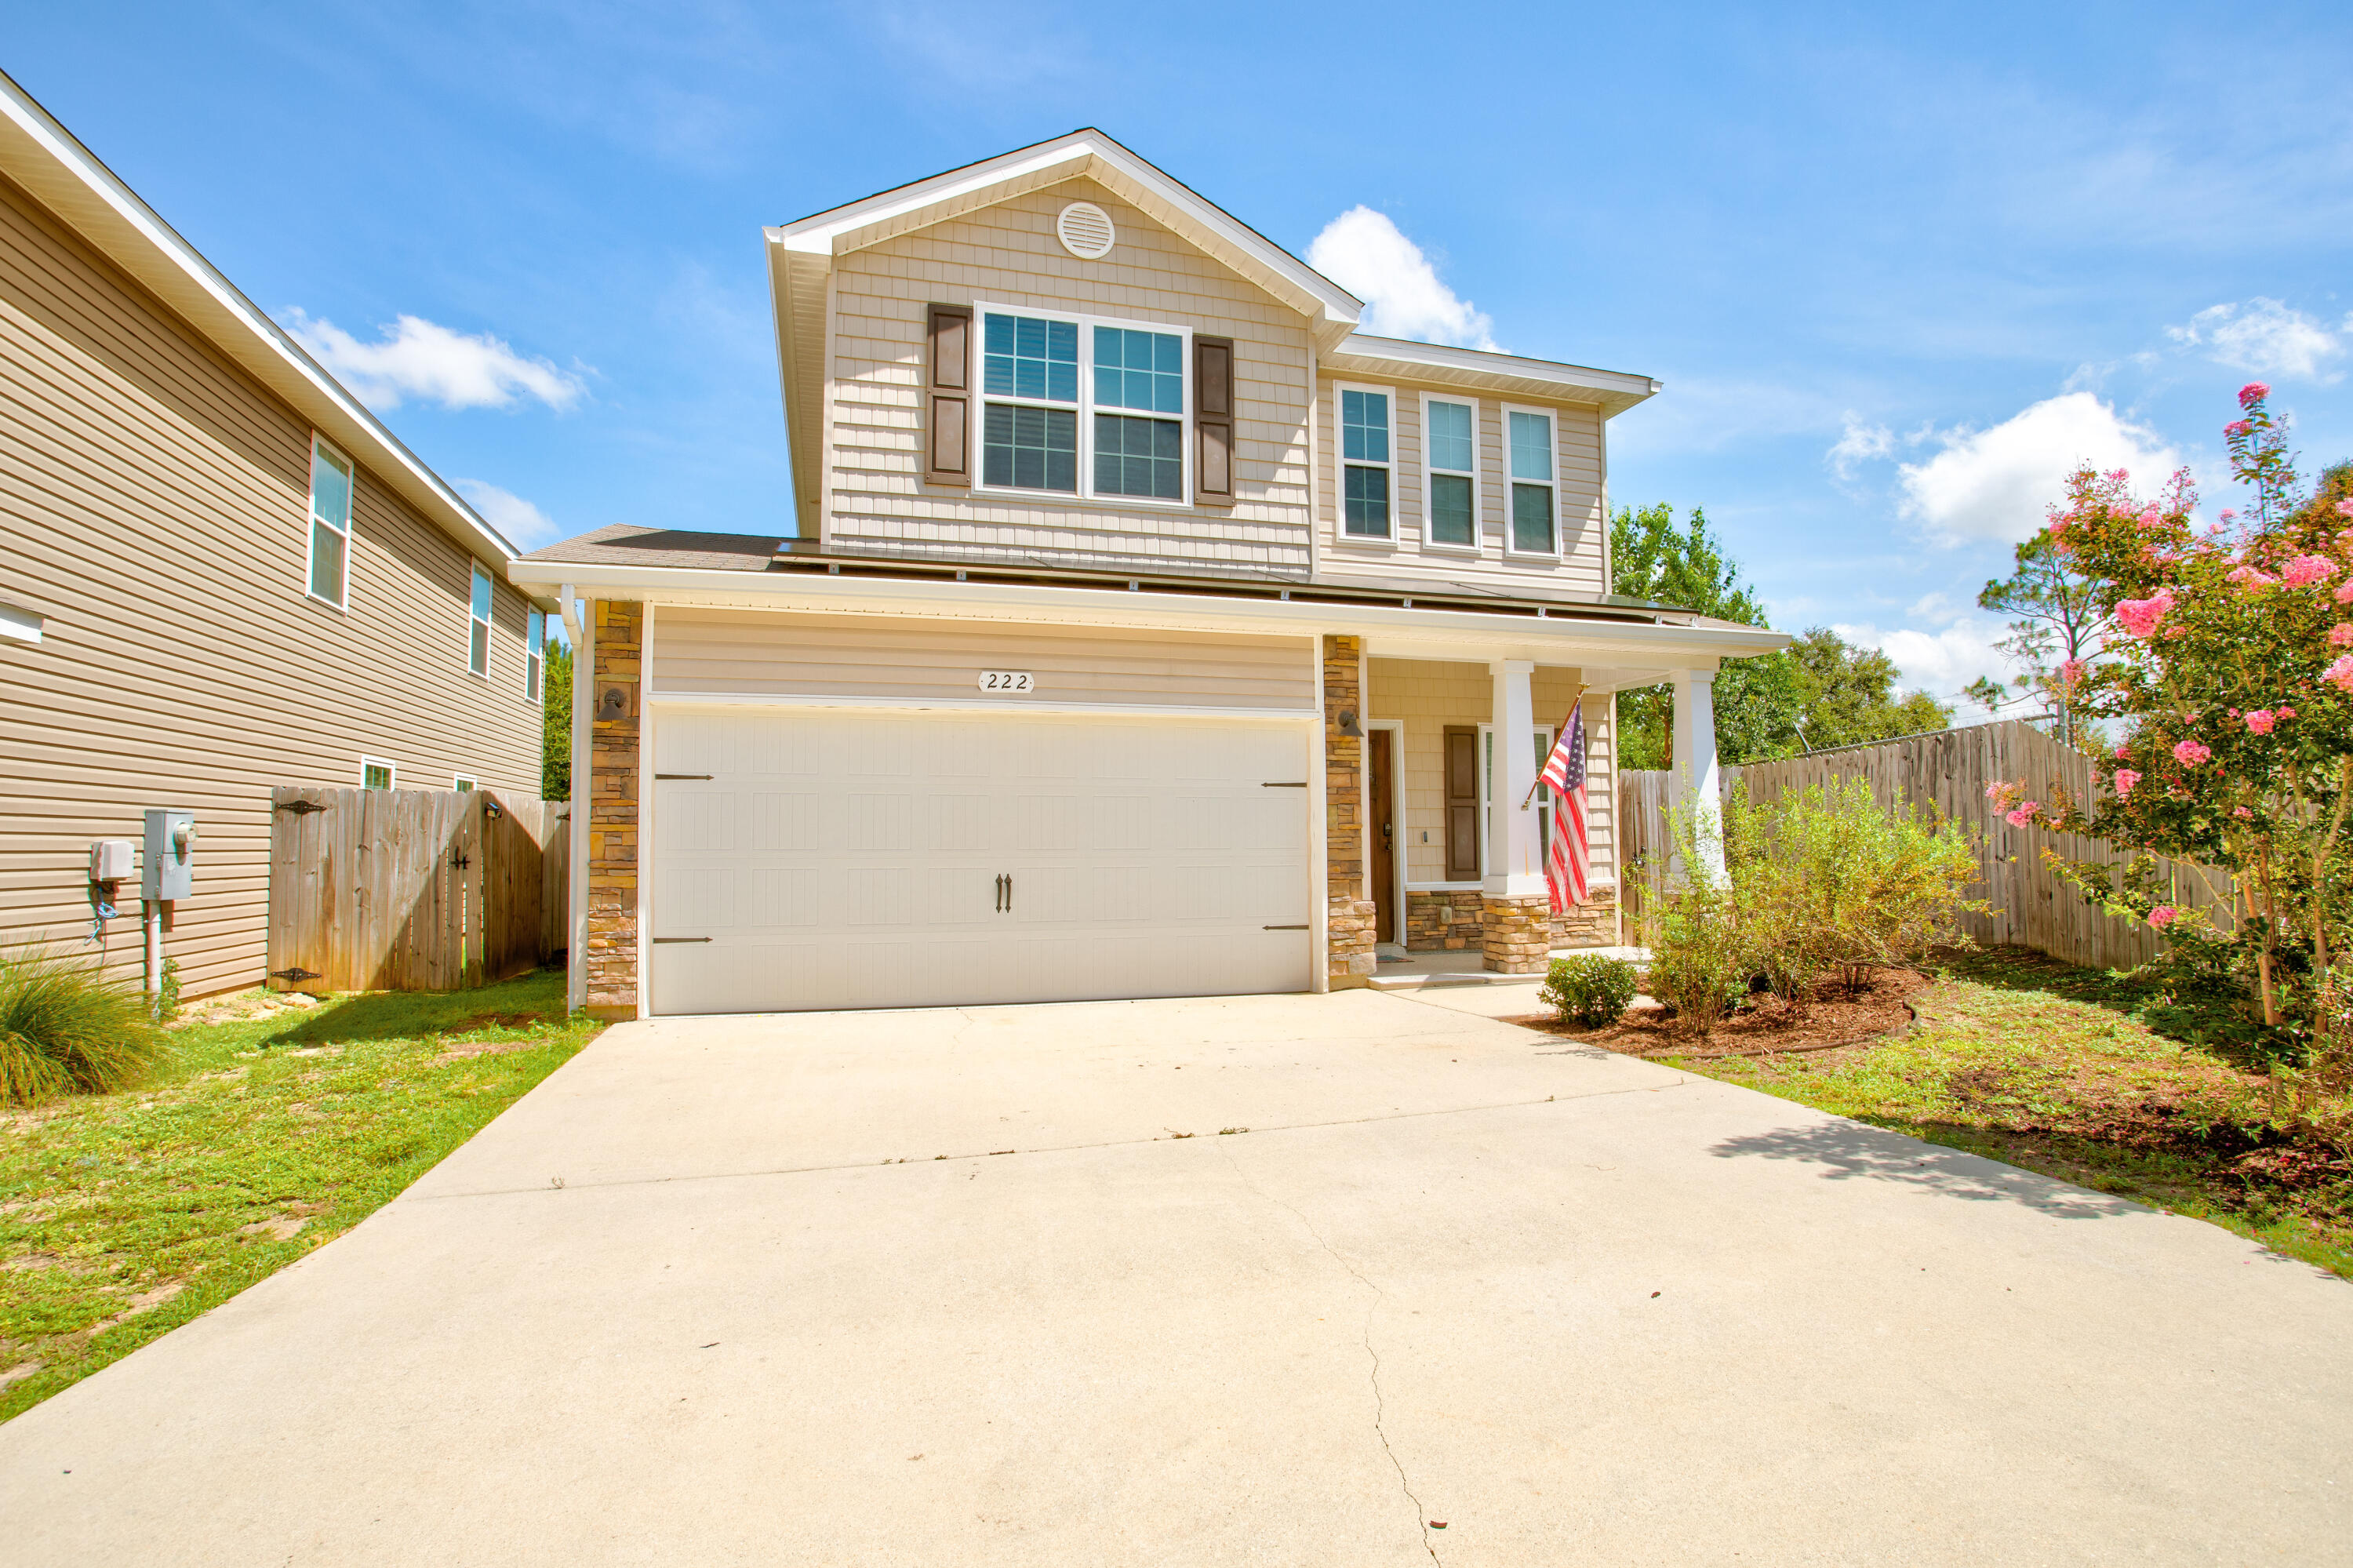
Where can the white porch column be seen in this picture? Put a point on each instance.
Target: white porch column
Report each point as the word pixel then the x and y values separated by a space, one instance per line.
pixel 1698 783
pixel 1515 852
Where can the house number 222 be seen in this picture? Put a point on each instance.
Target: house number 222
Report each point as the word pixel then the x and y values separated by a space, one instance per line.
pixel 1006 681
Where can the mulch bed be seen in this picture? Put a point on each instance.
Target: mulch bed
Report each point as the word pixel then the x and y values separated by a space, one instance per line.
pixel 1835 1017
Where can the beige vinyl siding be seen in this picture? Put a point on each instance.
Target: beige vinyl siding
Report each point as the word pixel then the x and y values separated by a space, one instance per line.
pixel 762 654
pixel 154 506
pixel 1428 696
pixel 1579 500
pixel 1007 254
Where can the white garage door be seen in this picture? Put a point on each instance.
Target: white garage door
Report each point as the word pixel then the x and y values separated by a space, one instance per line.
pixel 842 859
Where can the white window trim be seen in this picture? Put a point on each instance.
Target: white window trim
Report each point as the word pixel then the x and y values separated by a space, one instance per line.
pixel 1342 462
pixel 1478 518
pixel 464 781
pixel 1551 417
pixel 310 521
pixel 391 771
pixel 1542 735
pixel 535 659
pixel 1085 407
pixel 479 573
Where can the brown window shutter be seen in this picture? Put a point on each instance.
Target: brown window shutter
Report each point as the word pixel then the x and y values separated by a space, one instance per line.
pixel 1462 805
pixel 947 397
pixel 1213 422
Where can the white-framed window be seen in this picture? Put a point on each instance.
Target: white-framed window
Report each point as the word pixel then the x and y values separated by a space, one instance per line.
pixel 1450 448
pixel 1542 806
pixel 377 774
pixel 1082 406
pixel 1531 524
pixel 535 654
pixel 477 623
pixel 327 574
pixel 465 783
pixel 1366 418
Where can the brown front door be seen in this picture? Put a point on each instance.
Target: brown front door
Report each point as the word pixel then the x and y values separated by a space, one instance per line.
pixel 1380 831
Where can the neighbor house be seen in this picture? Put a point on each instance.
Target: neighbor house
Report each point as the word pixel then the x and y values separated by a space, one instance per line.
pixel 1148 630
pixel 218 572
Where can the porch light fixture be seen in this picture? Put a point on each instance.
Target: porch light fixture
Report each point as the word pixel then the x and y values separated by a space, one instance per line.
pixel 1348 722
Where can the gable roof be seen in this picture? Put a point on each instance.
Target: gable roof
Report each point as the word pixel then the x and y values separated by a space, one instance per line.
pixel 45 158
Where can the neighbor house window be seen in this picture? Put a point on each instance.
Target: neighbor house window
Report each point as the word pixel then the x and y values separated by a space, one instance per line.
pixel 1530 435
pixel 478 629
pixel 1119 430
pixel 1364 463
pixel 464 784
pixel 374 775
pixel 1454 450
pixel 534 652
pixel 331 523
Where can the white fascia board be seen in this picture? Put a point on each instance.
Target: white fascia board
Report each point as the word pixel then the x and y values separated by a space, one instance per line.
pixel 1089 153
pixel 1391 630
pixel 1619 391
pixel 43 156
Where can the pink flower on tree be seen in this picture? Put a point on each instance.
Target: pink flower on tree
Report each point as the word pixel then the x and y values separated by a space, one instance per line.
pixel 2283 712
pixel 2150 517
pixel 2345 509
pixel 2123 752
pixel 2236 427
pixel 2303 569
pixel 2341 675
pixel 2139 616
pixel 2023 817
pixel 2125 780
pixel 2260 720
pixel 2072 670
pixel 2341 634
pixel 2249 578
pixel 2253 393
pixel 2344 594
pixel 2189 754
pixel 2240 811
pixel 2161 916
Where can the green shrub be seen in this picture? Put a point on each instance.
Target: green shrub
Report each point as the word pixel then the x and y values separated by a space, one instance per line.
pixel 1589 989
pixel 1700 960
pixel 65 1028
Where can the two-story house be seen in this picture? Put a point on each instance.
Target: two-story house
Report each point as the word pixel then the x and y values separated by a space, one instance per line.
pixel 218 572
pixel 1148 630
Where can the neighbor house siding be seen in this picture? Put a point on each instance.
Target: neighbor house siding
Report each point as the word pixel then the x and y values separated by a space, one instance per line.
pixel 754 653
pixel 154 506
pixel 1428 695
pixel 1581 499
pixel 876 499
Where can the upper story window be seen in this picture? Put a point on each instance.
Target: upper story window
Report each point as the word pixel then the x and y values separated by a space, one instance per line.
pixel 1365 463
pixel 331 523
pixel 478 634
pixel 1120 431
pixel 535 653
pixel 1532 477
pixel 1452 447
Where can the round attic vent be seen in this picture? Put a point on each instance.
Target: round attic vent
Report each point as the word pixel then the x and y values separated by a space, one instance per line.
pixel 1085 230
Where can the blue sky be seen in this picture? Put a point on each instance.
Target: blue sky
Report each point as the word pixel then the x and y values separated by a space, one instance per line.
pixel 1897 266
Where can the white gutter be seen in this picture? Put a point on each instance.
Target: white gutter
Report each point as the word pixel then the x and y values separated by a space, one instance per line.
pixel 1433 631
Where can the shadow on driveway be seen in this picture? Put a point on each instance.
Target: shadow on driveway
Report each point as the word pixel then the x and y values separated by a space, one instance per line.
pixel 1850 1151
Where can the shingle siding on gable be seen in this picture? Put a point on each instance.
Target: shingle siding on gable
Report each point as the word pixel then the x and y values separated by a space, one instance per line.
pixel 876 499
pixel 1582 503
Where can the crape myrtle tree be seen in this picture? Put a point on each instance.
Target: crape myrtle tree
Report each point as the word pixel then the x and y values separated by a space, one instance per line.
pixel 1819 692
pixel 2231 677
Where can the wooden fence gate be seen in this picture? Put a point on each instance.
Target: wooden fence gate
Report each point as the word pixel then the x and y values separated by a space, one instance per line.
pixel 413 889
pixel 1948 771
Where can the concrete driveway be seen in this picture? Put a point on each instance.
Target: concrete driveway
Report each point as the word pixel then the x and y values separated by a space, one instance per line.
pixel 1015 1287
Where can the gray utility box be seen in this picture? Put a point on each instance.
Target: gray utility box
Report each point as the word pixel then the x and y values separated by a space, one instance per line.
pixel 167 870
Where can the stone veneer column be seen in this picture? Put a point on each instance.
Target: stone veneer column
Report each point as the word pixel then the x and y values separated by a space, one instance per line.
pixel 1349 929
pixel 612 958
pixel 1517 935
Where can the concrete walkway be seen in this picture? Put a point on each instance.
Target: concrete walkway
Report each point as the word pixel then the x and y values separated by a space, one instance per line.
pixel 684 1303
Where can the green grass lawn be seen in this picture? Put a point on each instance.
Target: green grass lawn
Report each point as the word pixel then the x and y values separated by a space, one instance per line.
pixel 2082 1076
pixel 123 1215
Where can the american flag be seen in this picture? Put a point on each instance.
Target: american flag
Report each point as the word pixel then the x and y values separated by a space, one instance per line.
pixel 1568 858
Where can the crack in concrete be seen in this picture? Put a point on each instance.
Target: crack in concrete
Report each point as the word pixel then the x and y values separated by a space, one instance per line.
pixel 1380 1402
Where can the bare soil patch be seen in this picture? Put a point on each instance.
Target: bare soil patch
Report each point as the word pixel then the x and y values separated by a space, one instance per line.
pixel 1834 1017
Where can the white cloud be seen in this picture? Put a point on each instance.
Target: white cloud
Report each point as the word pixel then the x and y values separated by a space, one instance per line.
pixel 1861 443
pixel 1941 662
pixel 1994 483
pixel 525 525
pixel 1366 254
pixel 2263 337
pixel 417 359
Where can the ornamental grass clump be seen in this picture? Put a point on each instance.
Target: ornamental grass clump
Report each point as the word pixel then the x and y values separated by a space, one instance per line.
pixel 1589 989
pixel 65 1028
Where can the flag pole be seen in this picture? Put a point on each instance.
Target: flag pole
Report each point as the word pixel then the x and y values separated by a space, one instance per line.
pixel 1573 704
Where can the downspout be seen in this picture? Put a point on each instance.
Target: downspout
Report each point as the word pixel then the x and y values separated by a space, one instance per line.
pixel 584 658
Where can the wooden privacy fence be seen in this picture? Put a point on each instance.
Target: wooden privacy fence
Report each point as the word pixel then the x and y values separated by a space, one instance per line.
pixel 1948 771
pixel 413 889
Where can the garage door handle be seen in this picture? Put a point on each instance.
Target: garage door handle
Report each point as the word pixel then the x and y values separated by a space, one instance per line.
pixel 1004 891
pixel 658 941
pixel 1301 784
pixel 1301 927
pixel 681 775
